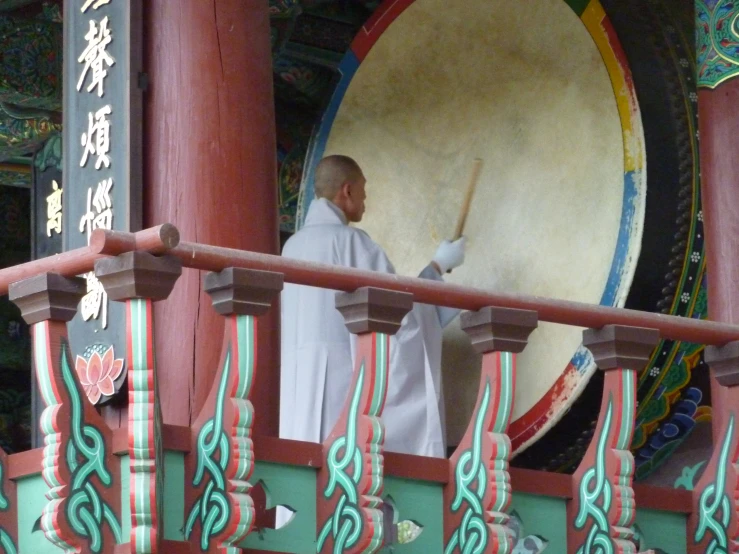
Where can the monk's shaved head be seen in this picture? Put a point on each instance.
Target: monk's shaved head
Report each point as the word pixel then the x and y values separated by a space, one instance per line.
pixel 334 171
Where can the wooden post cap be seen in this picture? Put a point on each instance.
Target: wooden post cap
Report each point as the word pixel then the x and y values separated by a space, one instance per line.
pixel 138 274
pixel 239 291
pixel 47 296
pixel 620 346
pixel 499 329
pixel 724 361
pixel 373 310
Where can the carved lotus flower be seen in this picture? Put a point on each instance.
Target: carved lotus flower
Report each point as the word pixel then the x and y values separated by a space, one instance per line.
pixel 98 373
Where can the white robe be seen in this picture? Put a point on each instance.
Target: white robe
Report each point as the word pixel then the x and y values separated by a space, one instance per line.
pixel 318 351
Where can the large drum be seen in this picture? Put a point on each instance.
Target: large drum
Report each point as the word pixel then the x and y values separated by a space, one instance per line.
pixel 540 92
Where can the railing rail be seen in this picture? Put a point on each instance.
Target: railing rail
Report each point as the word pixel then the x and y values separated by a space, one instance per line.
pixel 214 258
pixel 165 238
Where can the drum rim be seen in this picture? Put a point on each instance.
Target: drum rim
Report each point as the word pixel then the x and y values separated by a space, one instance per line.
pixel 572 381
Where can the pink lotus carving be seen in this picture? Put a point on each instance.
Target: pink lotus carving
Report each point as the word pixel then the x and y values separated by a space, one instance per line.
pixel 98 374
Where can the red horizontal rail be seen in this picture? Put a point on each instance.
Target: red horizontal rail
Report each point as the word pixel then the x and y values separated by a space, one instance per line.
pixel 81 260
pixel 215 258
pixel 165 238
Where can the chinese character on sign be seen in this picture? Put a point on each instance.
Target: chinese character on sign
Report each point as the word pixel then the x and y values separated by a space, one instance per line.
pixel 95 301
pixel 96 57
pixel 95 5
pixel 54 210
pixel 96 140
pixel 102 215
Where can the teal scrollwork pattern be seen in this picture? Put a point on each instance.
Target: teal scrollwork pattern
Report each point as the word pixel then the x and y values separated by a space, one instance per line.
pixel 715 506
pixel 6 542
pixel 481 482
pixel 346 523
pixel 472 536
pixel 85 456
pixel 354 464
pixel 717 37
pixel 212 508
pixel 595 487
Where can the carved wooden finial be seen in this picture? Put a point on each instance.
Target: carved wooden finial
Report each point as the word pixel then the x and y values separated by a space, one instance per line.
pixel 138 275
pixel 47 296
pixel 373 310
pixel 724 361
pixel 499 329
pixel 239 291
pixel 620 346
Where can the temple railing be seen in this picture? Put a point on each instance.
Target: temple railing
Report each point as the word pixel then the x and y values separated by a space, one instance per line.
pixel 193 489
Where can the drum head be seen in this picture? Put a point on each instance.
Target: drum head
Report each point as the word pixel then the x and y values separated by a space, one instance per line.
pixel 428 86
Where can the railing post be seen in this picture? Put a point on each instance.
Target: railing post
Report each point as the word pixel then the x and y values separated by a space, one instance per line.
pixel 602 510
pixel 349 507
pixel 83 512
pixel 139 279
pixel 714 524
pixel 478 494
pixel 8 509
pixel 219 510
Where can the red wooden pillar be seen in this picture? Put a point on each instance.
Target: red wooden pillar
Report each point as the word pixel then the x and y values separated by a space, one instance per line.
pixel 209 168
pixel 718 97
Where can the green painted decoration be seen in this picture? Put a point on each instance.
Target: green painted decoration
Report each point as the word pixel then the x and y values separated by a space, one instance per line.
pixel 82 455
pixel 601 496
pixel 225 460
pixel 5 539
pixel 480 474
pixel 355 467
pixel 717 38
pixel 715 506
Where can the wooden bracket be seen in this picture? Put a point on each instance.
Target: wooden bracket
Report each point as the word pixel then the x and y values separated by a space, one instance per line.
pixel 83 512
pixel 349 510
pixel 138 279
pixel 602 508
pixel 220 512
pixel 478 494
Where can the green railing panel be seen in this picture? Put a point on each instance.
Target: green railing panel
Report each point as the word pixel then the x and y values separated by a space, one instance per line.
pixel 31 502
pixel 294 487
pixel 544 516
pixel 422 503
pixel 665 530
pixel 174 496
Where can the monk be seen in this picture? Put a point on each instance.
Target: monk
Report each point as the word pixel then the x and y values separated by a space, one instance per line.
pixel 317 349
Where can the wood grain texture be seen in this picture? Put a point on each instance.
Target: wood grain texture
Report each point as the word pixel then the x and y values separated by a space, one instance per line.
pixel 209 168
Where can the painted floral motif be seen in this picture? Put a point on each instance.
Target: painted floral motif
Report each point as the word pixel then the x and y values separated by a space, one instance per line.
pixel 97 373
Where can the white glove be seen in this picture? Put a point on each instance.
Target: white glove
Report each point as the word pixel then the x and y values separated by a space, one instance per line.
pixel 450 254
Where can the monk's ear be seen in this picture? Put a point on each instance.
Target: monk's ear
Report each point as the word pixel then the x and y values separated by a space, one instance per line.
pixel 346 189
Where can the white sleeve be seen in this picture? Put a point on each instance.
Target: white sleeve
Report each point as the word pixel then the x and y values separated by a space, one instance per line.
pixel 446 315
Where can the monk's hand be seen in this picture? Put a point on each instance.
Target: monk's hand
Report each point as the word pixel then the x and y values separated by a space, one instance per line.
pixel 449 255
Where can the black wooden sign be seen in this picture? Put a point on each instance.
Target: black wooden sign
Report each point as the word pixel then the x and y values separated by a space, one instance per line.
pixel 102 167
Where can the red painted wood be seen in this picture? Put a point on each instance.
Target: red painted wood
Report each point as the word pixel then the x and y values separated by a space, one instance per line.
pixel 495 449
pixel 368 507
pixel 8 502
pixel 213 258
pixel 718 125
pixel 617 477
pixel 54 333
pixel 210 170
pixel 81 260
